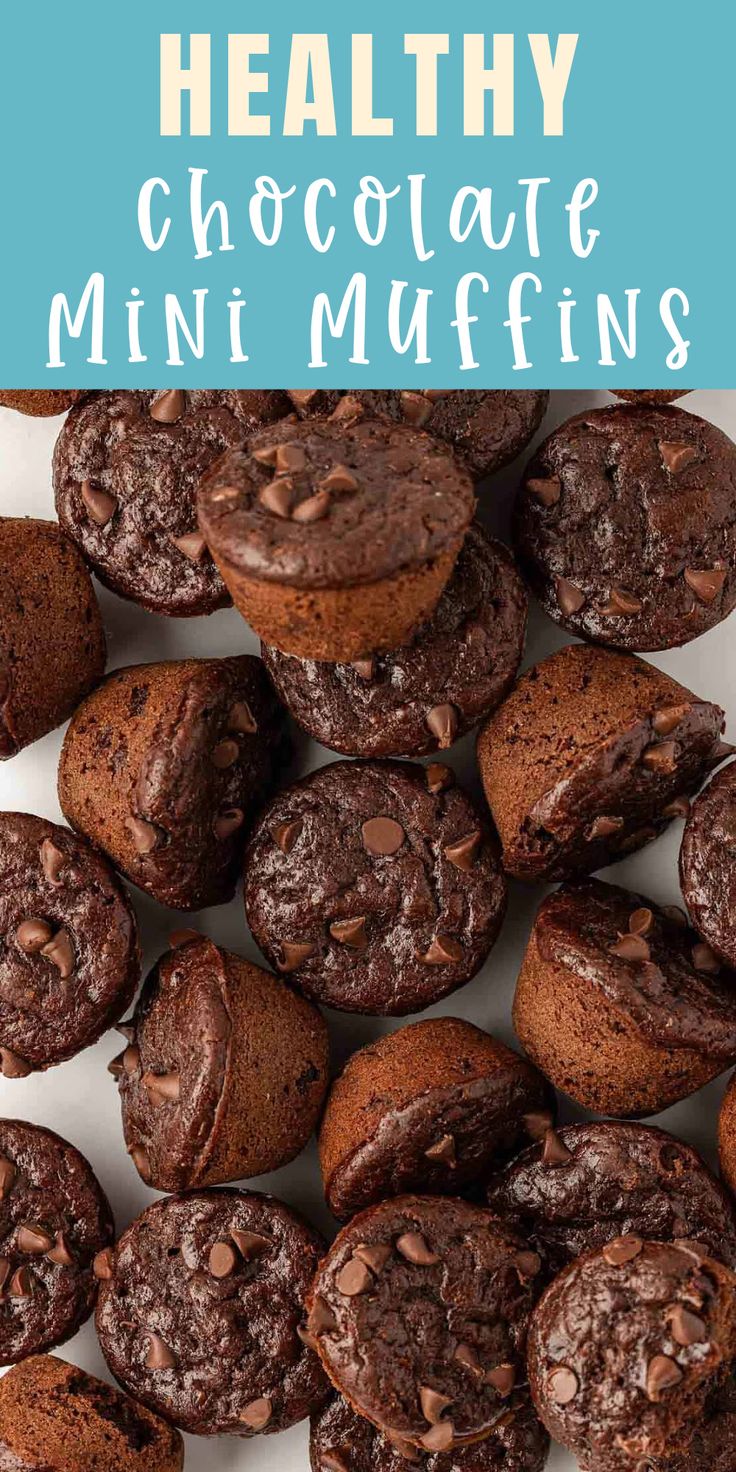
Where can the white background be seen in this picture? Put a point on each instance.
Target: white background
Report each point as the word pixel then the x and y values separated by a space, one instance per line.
pixel 79 1099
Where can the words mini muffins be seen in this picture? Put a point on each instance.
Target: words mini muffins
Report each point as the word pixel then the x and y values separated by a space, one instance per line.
pixel 225 1070
pixel 126 466
pixel 69 960
pixel 619 1003
pixel 52 644
pixel 485 427
pixel 54 1218
pixel 336 538
pixel 163 767
pixel 422 697
pixel 200 1310
pixel 419 1313
pixel 430 1107
pixel 375 886
pixel 626 526
pixel 626 1347
pixel 56 1418
pixel 590 757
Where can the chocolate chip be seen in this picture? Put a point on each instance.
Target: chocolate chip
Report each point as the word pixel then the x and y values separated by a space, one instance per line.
pixel 227 822
pixel 100 506
pixel 266 455
pixel 60 952
pixel 31 935
pixel 439 1438
pixel 562 1385
pixel 242 719
pixel 662 1374
pixel 12 1065
pixel 257 1413
pixel 313 509
pixel 103 1265
pixel 443 950
pixel 375 1255
pixel 285 835
pixel 52 862
pixel 415 408
pixel 339 479
pixel 60 1253
pixel 528 1265
pixel 321 1319
pixel 131 1060
pixel 631 948
pixel 33 1239
pixel 139 1157
pixel 192 545
pixel 414 1247
pixel 350 932
pixel 348 408
pixel 249 1244
pixel 145 837
pixel 182 937
pixel 503 1379
pixel 168 407
pixel 225 495
pixel 467 1357
pixel 641 921
pixel 443 723
pixel 537 1123
pixel 277 498
pixel 439 777
pixel 464 851
pixel 706 582
pixel 443 1152
pixel 621 1250
pixel 294 952
pixel 364 668
pixel 660 757
pixel 166 1085
pixel 686 1328
pixel 569 598
pixel 225 754
pixel 222 1260
pixel 7 1176
pixel 382 836
pixel 622 603
pixel 676 454
pixel 159 1355
pixel 21 1284
pixel 678 808
pixel 547 492
pixel 704 959
pixel 433 1404
pixel 667 720
pixel 604 827
pixel 555 1151
pixel 354 1278
pixel 290 459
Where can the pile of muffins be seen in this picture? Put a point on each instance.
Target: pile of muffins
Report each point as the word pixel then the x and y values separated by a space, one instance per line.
pixel 497 1279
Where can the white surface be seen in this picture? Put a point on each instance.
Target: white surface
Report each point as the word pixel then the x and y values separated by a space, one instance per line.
pixel 79 1099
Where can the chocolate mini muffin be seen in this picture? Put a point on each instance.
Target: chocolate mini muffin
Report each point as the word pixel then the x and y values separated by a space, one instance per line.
pixel 626 1347
pixel 591 757
pixel 375 886
pixel 126 468
pixel 619 1003
pixel 52 644
pixel 625 526
pixel 649 395
pixel 200 1310
pixel 163 766
pixel 708 864
pixel 727 1135
pixel 336 539
pixel 419 1313
pixel 586 1183
pixel 487 428
pixel 224 1074
pixel 54 1219
pixel 41 403
pixel 56 1418
pixel 341 1441
pixel 428 1108
pixel 424 696
pixel 69 956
